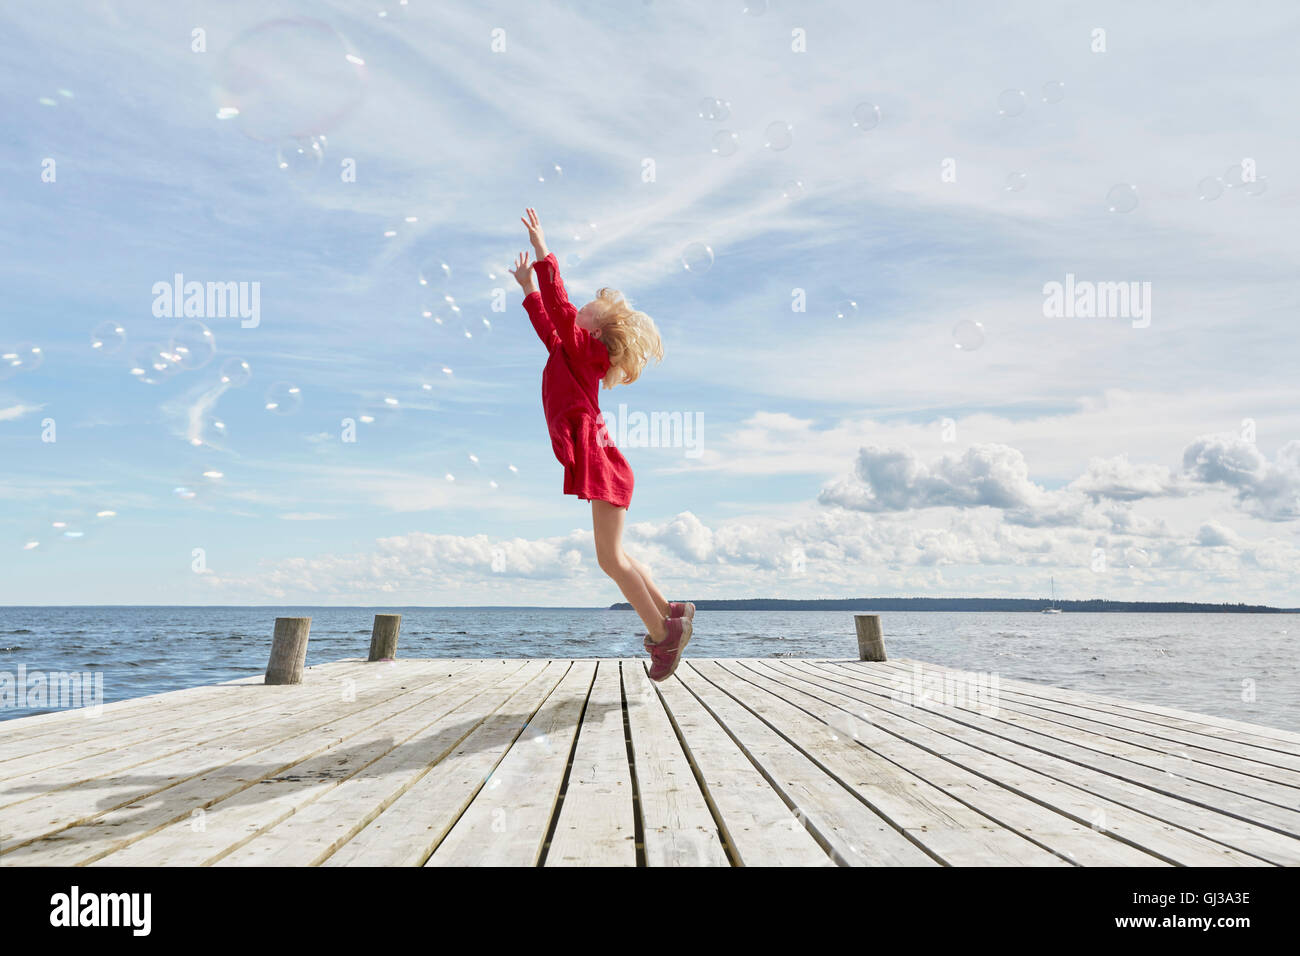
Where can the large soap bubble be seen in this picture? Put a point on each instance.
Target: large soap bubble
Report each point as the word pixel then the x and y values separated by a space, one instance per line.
pixel 289 79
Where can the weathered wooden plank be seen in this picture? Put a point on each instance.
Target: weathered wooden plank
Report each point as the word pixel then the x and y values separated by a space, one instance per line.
pixel 947 828
pixel 851 830
pixel 1039 751
pixel 393 815
pixel 597 820
pixel 1070 820
pixel 1265 774
pixel 232 769
pixel 300 702
pixel 185 727
pixel 508 821
pixel 1191 781
pixel 1111 723
pixel 756 823
pixel 677 827
pixel 388 747
pixel 224 760
pixel 19 741
pixel 746 761
pixel 1261 735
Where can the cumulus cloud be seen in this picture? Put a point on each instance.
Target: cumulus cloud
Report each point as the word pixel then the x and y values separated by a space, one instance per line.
pixel 1268 490
pixel 1214 535
pixel 1117 478
pixel 685 536
pixel 893 478
pixel 897 524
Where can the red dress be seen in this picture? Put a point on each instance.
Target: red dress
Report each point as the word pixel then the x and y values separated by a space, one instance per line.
pixel 593 467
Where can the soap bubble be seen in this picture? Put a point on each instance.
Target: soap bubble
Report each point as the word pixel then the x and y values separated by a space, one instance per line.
pixel 435 274
pixel 1053 91
pixel 301 157
pixel 778 135
pixel 572 259
pixel 1012 102
pixel 843 726
pixel 551 173
pixel 192 345
pixel 433 376
pixel 31 356
pixel 283 398
pixel 107 337
pixel 697 257
pixel 211 430
pixel 866 116
pixel 152 364
pixel 68 530
pixel 1255 187
pixel 24 357
pixel 1209 189
pixel 380 411
pixel 1016 182
pixel 1234 176
pixel 967 335
pixel 184 491
pixel 714 109
pixel 235 372
pixel 1122 197
pixel 793 189
pixel 845 309
pixel 755 8
pixel 725 142
pixel 289 79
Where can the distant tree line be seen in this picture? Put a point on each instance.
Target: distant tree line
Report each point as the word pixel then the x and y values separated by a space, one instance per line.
pixel 976 604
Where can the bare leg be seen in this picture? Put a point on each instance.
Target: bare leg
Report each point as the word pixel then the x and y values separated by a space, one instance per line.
pixel 607 525
pixel 660 602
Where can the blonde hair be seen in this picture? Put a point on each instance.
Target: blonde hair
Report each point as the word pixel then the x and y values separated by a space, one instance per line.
pixel 630 336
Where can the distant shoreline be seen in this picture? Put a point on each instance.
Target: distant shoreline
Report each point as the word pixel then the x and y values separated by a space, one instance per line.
pixel 977 604
pixel 744 604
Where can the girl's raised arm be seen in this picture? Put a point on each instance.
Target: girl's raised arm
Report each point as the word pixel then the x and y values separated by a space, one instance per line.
pixel 556 300
pixel 533 305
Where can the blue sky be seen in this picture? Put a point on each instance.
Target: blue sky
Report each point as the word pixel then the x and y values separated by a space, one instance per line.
pixel 843 452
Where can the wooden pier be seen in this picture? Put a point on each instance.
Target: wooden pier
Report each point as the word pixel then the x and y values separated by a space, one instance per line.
pixel 731 762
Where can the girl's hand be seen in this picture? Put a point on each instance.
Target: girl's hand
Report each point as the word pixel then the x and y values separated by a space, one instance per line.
pixel 534 226
pixel 524 274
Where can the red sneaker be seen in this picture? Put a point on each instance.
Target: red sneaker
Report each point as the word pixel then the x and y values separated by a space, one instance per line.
pixel 678 609
pixel 665 655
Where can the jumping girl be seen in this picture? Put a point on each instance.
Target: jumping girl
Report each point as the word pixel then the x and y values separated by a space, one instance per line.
pixel 609 342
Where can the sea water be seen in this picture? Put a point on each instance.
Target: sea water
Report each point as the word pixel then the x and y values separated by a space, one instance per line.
pixel 1241 666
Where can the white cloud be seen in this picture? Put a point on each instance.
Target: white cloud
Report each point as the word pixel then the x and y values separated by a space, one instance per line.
pixel 15 412
pixel 1119 479
pixel 895 479
pixel 1269 490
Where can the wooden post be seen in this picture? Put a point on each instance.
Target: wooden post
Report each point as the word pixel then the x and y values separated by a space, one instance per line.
pixel 288 650
pixel 871 640
pixel 383 637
